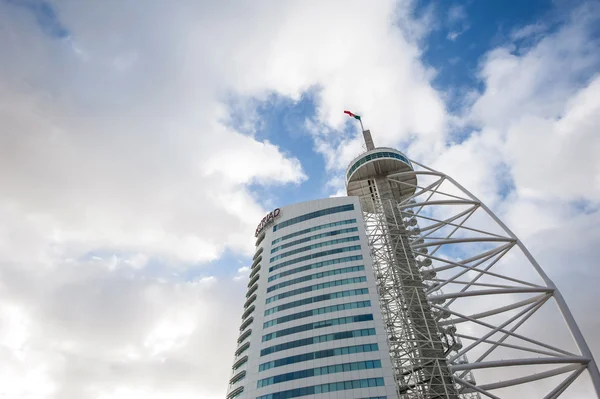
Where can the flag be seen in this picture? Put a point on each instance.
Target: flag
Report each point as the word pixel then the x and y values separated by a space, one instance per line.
pixel 352 115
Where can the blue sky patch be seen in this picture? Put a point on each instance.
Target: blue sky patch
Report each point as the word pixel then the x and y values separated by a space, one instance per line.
pixel 45 16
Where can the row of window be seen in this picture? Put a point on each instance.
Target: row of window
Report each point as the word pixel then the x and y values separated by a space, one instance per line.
pixel 314 312
pixel 235 393
pixel 248 311
pixel 240 363
pixel 315 255
pixel 244 336
pixel 315 237
pixel 315 276
pixel 365 332
pixel 313 266
pixel 314 246
pixel 253 279
pixel 316 287
pixel 254 271
pixel 312 215
pixel 315 228
pixel 375 156
pixel 251 290
pixel 324 388
pixel 249 301
pixel 317 324
pixel 304 357
pixel 242 349
pixel 318 298
pixel 238 377
pixel 246 323
pixel 335 368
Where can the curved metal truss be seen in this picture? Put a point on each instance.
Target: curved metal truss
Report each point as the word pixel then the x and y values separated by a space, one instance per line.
pixel 469 311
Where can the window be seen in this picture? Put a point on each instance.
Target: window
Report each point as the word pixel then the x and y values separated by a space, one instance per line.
pixel 246 323
pixel 310 230
pixel 314 246
pixel 242 349
pixel 318 324
pixel 238 377
pixel 312 215
pixel 338 368
pixel 260 238
pixel 244 336
pixel 253 280
pixel 376 155
pixel 365 332
pixel 235 393
pixel 316 287
pixel 254 271
pixel 315 255
pixel 251 290
pixel 240 363
pixel 315 237
pixel 314 266
pixel 314 312
pixel 249 301
pixel 318 355
pixel 324 388
pixel 315 276
pixel 248 312
pixel 319 298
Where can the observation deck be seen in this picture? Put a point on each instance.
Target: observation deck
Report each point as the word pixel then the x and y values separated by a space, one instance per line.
pixel 379 162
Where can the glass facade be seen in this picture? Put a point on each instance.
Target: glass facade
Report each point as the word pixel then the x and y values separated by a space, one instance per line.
pixel 318 298
pixel 318 339
pixel 315 255
pixel 312 317
pixel 306 373
pixel 316 287
pixel 315 266
pixel 314 312
pixel 318 324
pixel 324 388
pixel 315 276
pixel 314 246
pixel 377 155
pixel 315 228
pixel 315 237
pixel 345 350
pixel 312 215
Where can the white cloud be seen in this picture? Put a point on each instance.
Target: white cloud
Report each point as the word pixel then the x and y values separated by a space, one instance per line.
pixel 528 31
pixel 534 145
pixel 115 150
pixel 242 273
pixel 457 22
pixel 456 13
pixel 452 36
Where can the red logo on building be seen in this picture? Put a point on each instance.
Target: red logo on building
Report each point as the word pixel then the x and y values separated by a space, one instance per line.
pixel 266 221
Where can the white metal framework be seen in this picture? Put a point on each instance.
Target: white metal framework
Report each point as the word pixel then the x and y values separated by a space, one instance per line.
pixel 469 312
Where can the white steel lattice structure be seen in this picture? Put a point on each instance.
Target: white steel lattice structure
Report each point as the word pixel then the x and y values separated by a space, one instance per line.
pixel 468 311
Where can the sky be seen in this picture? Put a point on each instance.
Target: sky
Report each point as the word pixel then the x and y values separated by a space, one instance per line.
pixel 141 142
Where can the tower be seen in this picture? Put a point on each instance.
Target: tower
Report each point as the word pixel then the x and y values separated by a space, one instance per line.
pixel 463 300
pixel 408 288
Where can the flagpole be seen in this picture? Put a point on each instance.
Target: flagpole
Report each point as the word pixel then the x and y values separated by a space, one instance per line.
pixel 361 125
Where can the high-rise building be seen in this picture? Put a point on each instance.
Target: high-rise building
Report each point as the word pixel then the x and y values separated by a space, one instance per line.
pixel 408 288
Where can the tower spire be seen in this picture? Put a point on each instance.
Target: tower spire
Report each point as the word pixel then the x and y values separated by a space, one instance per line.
pixel 368 139
pixel 366 133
